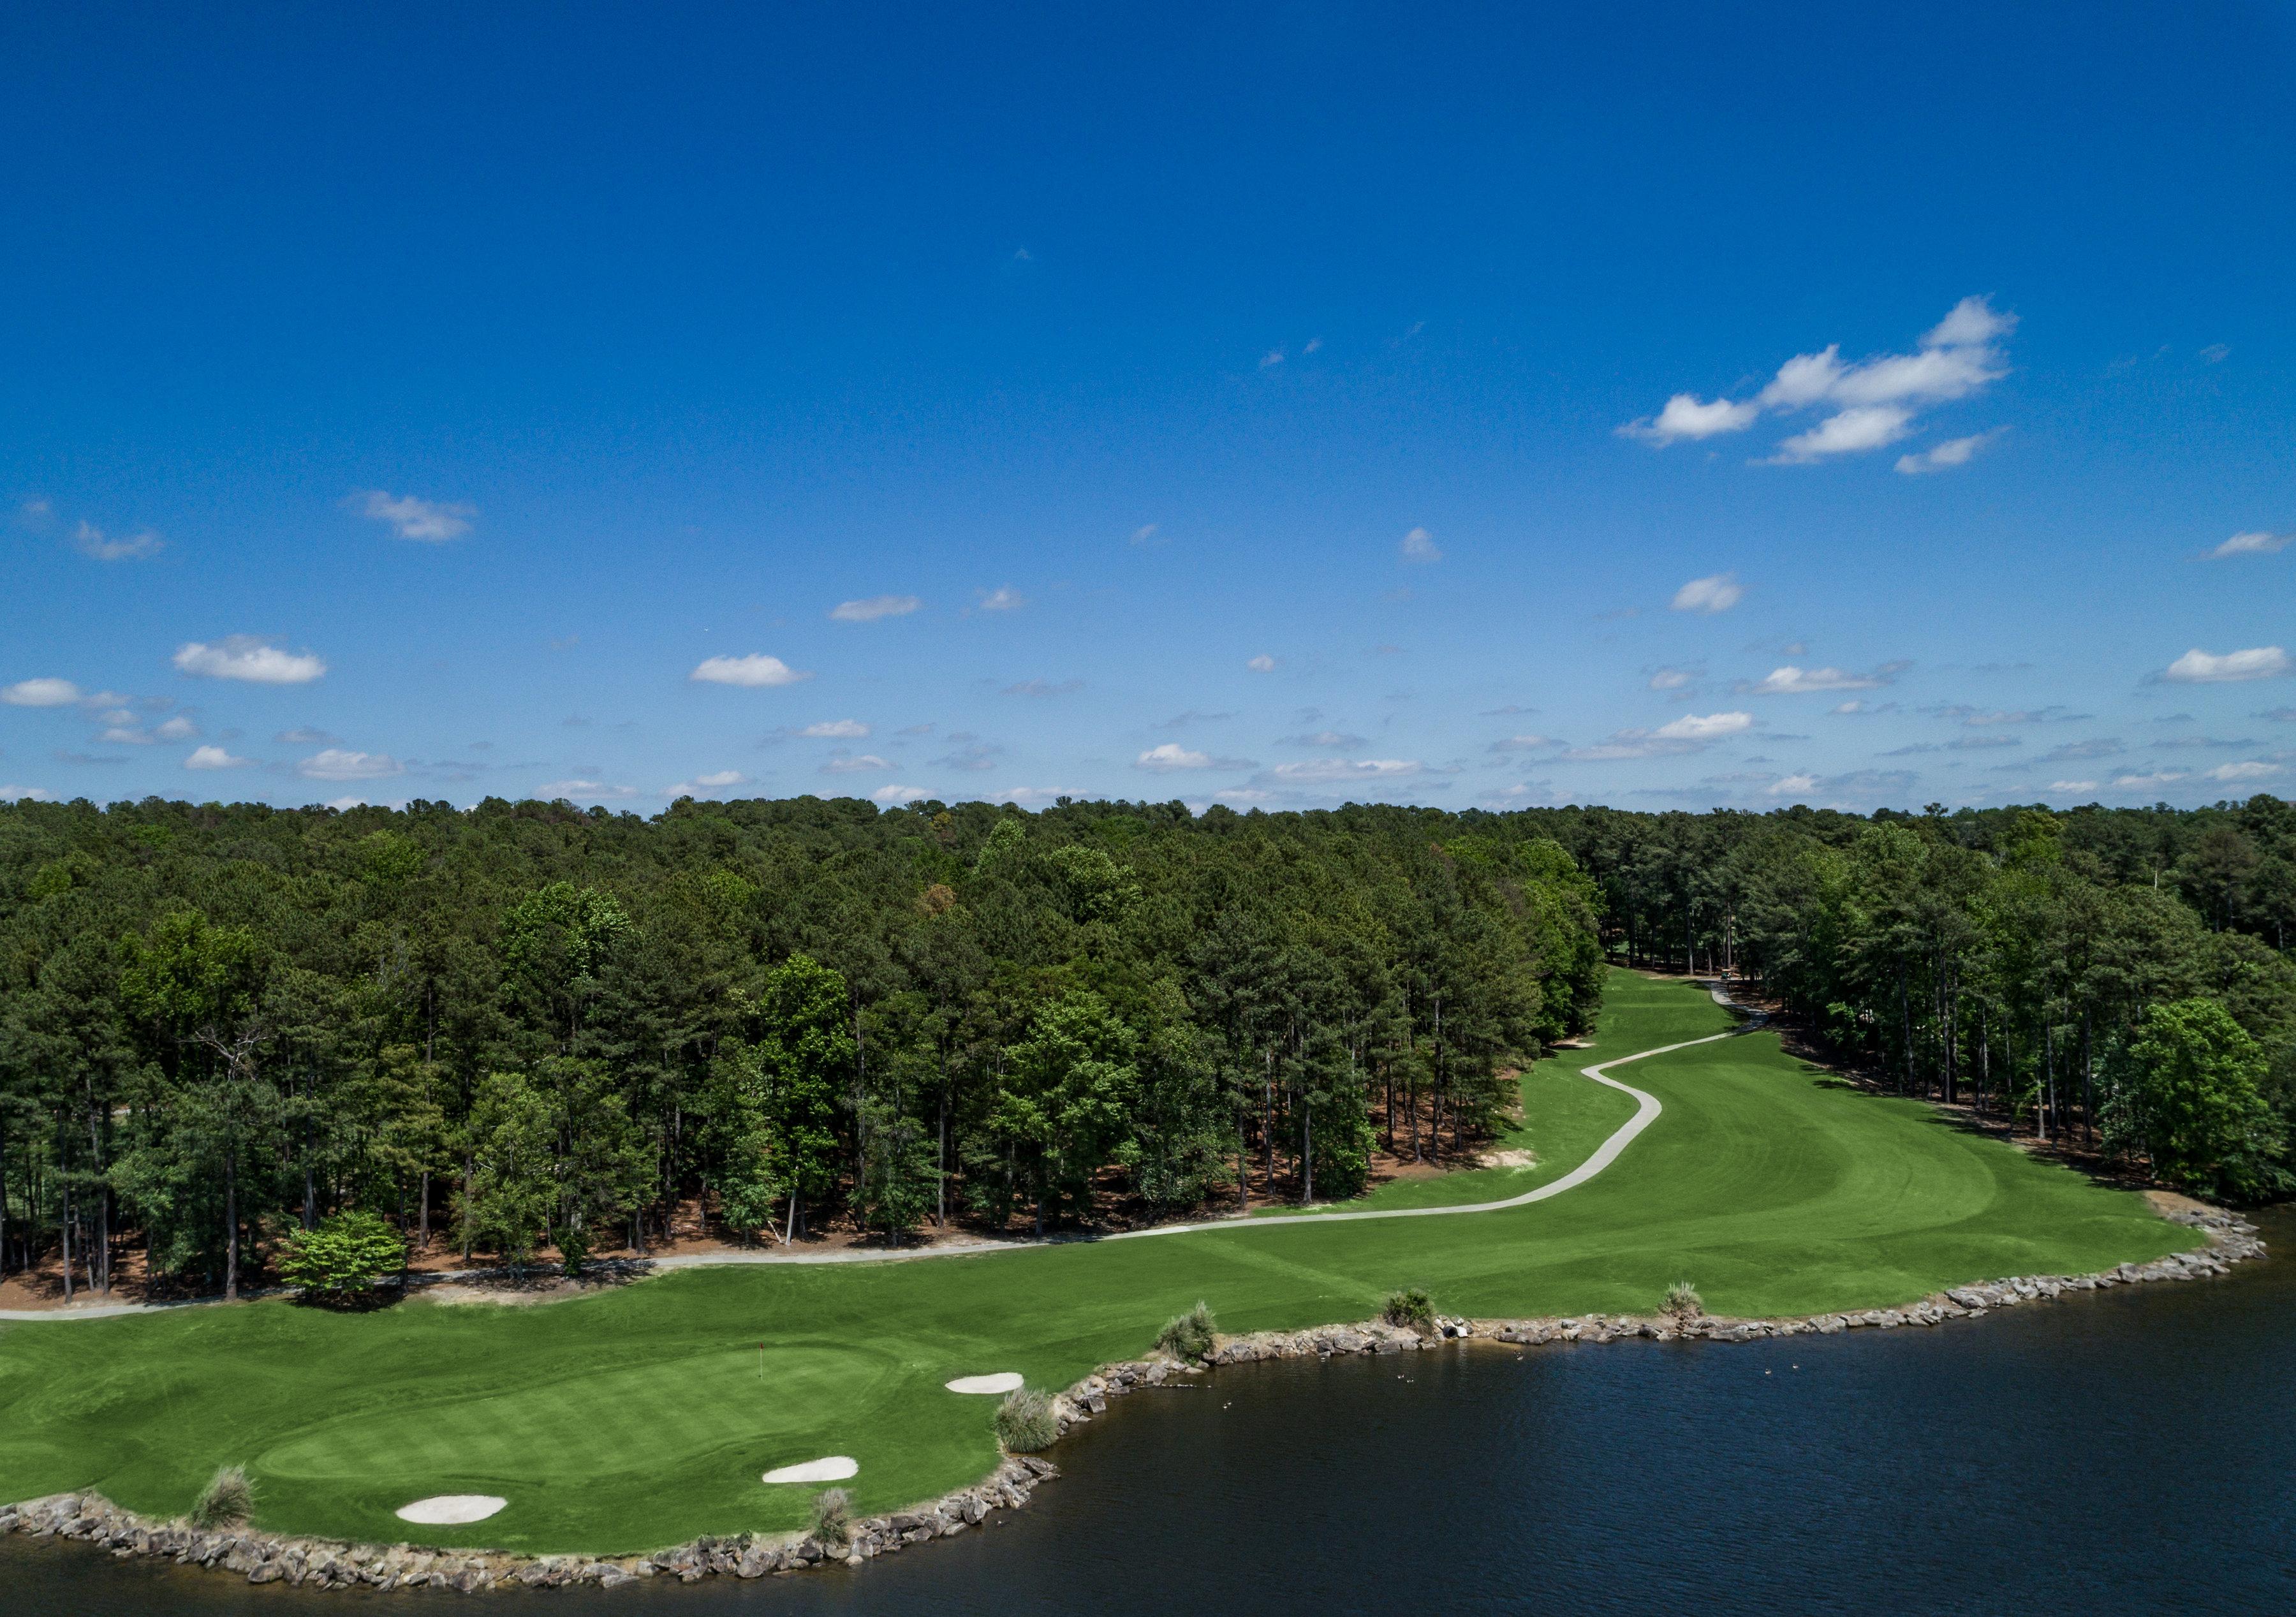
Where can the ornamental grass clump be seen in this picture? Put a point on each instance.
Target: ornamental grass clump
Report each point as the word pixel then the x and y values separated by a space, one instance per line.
pixel 226 1501
pixel 1025 1422
pixel 831 1518
pixel 1189 1335
pixel 1683 1302
pixel 1411 1308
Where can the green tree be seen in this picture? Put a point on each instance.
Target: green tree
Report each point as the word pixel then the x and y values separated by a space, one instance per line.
pixel 2190 1101
pixel 346 1252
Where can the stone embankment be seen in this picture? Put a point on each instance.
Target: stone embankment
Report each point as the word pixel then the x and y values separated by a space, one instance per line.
pixel 318 1564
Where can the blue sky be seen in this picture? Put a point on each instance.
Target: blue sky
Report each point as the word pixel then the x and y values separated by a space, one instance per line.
pixel 1282 407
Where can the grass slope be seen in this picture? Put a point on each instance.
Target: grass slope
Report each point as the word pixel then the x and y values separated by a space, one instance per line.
pixel 644 1417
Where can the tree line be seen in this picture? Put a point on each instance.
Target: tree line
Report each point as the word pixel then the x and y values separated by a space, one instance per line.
pixel 528 1024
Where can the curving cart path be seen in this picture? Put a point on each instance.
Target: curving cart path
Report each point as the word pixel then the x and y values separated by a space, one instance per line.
pixel 1646 1111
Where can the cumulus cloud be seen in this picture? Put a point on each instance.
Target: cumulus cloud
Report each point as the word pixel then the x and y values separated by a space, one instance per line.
pixel 705 785
pixel 1262 664
pixel 1718 593
pixel 2197 667
pixel 873 607
pixel 1330 740
pixel 1003 598
pixel 431 521
pixel 41 693
pixel 2250 769
pixel 754 670
pixel 213 758
pixel 1787 785
pixel 2256 543
pixel 25 794
pixel 835 729
pixel 894 796
pixel 1670 679
pixel 1691 733
pixel 249 659
pixel 854 763
pixel 2072 785
pixel 1939 457
pixel 336 764
pixel 178 728
pixel 2165 777
pixel 1171 755
pixel 90 541
pixel 1419 545
pixel 1873 401
pixel 1790 681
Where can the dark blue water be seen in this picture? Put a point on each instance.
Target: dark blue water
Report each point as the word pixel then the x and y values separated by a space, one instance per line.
pixel 2128 1452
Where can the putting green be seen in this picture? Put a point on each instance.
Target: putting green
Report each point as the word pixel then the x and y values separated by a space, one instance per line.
pixel 645 1415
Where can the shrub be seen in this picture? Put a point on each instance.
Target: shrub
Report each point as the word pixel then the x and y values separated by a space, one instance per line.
pixel 1413 1308
pixel 1682 1301
pixel 1189 1336
pixel 573 1250
pixel 345 1254
pixel 831 1521
pixel 1025 1422
pixel 226 1501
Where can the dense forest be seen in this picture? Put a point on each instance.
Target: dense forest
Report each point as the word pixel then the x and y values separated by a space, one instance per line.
pixel 528 1025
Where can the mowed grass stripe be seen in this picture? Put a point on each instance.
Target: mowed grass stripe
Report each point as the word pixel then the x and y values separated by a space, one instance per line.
pixel 636 1418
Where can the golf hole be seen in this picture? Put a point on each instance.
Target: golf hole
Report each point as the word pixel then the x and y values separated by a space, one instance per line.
pixel 451 1509
pixel 833 1468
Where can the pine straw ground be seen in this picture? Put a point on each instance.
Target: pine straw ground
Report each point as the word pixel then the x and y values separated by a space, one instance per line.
pixel 644 1416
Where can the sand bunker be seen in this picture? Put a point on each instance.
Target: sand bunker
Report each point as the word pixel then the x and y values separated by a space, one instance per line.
pixel 1004 1380
pixel 834 1468
pixel 451 1509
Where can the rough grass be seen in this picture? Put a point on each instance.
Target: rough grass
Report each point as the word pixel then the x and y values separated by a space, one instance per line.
pixel 1682 1301
pixel 829 1517
pixel 634 1418
pixel 1410 1308
pixel 1025 1422
pixel 227 1500
pixel 1188 1335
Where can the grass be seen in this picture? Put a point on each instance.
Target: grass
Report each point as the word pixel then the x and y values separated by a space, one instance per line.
pixel 636 1418
pixel 1189 1335
pixel 1025 1422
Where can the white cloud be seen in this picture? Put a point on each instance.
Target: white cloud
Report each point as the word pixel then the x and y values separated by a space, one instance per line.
pixel 213 758
pixel 89 540
pixel 1043 687
pixel 1705 727
pixel 343 804
pixel 249 659
pixel 335 764
pixel 25 794
pixel 1329 769
pixel 1031 796
pixel 1262 664
pixel 2216 353
pixel 893 796
pixel 1523 743
pixel 1787 784
pixel 853 763
pixel 2253 770
pixel 874 607
pixel 1003 598
pixel 2072 785
pixel 2166 778
pixel 1419 545
pixel 1171 755
pixel 1952 452
pixel 415 519
pixel 178 728
pixel 1717 593
pixel 1873 400
pixel 2258 544
pixel 836 729
pixel 1852 431
pixel 1670 679
pixel 41 693
pixel 705 785
pixel 1790 681
pixel 122 735
pixel 1142 534
pixel 2197 667
pixel 1273 357
pixel 579 789
pixel 1687 417
pixel 754 670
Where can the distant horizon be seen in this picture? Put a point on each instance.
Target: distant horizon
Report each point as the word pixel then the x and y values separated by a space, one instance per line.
pixel 1419 407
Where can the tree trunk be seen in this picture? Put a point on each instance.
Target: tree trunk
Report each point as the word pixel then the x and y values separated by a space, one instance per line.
pixel 231 1225
pixel 423 1213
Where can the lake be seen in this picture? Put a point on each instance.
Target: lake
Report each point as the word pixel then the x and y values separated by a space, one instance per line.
pixel 2133 1450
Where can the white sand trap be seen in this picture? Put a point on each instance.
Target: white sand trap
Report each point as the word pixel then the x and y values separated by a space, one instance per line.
pixel 834 1468
pixel 451 1509
pixel 1004 1380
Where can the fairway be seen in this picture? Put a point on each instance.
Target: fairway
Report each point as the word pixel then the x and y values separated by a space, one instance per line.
pixel 643 1417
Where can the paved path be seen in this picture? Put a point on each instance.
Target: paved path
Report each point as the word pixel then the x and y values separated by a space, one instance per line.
pixel 1646 1111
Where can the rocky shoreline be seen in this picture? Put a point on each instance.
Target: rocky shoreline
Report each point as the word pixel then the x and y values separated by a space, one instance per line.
pixel 304 1563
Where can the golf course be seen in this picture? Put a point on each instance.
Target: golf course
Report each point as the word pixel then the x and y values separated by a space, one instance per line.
pixel 645 1414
